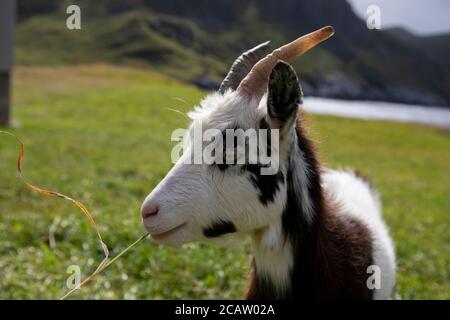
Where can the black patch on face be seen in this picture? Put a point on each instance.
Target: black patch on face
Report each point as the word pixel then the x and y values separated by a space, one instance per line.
pixel 267 185
pixel 219 228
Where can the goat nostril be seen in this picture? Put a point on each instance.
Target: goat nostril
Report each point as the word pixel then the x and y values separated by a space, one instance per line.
pixel 150 213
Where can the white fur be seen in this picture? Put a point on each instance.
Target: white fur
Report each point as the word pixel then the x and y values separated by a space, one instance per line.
pixel 301 181
pixel 273 256
pixel 358 200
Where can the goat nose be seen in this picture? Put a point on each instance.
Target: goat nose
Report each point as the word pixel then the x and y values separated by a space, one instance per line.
pixel 149 208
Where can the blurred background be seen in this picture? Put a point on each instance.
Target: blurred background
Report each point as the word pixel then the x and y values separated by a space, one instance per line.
pixel 407 61
pixel 94 109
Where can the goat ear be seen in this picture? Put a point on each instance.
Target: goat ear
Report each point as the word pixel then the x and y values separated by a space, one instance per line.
pixel 284 95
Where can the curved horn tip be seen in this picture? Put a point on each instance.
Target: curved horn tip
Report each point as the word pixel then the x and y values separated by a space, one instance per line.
pixel 262 46
pixel 329 30
pixel 265 46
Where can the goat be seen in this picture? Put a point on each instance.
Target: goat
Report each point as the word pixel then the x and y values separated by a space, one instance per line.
pixel 315 232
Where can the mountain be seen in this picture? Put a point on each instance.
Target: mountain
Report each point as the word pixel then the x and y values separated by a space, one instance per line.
pixel 197 41
pixel 436 47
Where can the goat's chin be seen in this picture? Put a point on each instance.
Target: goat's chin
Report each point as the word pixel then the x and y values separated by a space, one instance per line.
pixel 175 238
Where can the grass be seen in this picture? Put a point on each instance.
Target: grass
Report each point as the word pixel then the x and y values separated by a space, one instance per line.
pixel 101 134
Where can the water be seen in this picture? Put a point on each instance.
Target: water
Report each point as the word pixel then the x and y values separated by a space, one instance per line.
pixel 438 116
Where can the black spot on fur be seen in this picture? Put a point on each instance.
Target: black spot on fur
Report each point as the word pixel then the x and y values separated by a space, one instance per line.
pixel 267 185
pixel 219 228
pixel 222 166
pixel 264 125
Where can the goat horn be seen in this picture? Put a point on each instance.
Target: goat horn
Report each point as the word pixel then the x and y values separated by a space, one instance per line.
pixel 242 66
pixel 255 83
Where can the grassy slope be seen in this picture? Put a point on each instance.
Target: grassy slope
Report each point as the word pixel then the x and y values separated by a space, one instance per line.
pixel 126 39
pixel 102 134
pixel 172 45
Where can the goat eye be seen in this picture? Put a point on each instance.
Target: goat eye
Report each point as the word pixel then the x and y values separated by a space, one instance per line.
pixel 232 153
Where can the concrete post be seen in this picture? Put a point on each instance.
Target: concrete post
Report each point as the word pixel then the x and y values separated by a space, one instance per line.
pixel 7 18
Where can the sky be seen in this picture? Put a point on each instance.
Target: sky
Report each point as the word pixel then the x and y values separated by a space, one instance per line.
pixel 422 17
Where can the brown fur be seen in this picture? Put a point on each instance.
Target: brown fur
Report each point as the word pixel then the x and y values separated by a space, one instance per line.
pixel 341 256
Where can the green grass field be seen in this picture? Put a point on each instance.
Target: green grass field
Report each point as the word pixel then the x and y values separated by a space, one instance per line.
pixel 101 134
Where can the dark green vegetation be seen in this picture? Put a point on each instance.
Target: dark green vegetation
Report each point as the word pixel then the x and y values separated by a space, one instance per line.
pixel 197 40
pixel 102 135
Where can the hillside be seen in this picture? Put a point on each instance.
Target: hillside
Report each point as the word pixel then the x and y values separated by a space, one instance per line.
pixel 197 43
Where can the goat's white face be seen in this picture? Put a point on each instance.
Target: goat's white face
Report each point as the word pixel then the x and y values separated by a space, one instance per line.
pixel 212 201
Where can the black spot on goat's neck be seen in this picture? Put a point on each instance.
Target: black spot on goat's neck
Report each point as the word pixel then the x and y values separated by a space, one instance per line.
pixel 297 226
pixel 219 228
pixel 294 220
